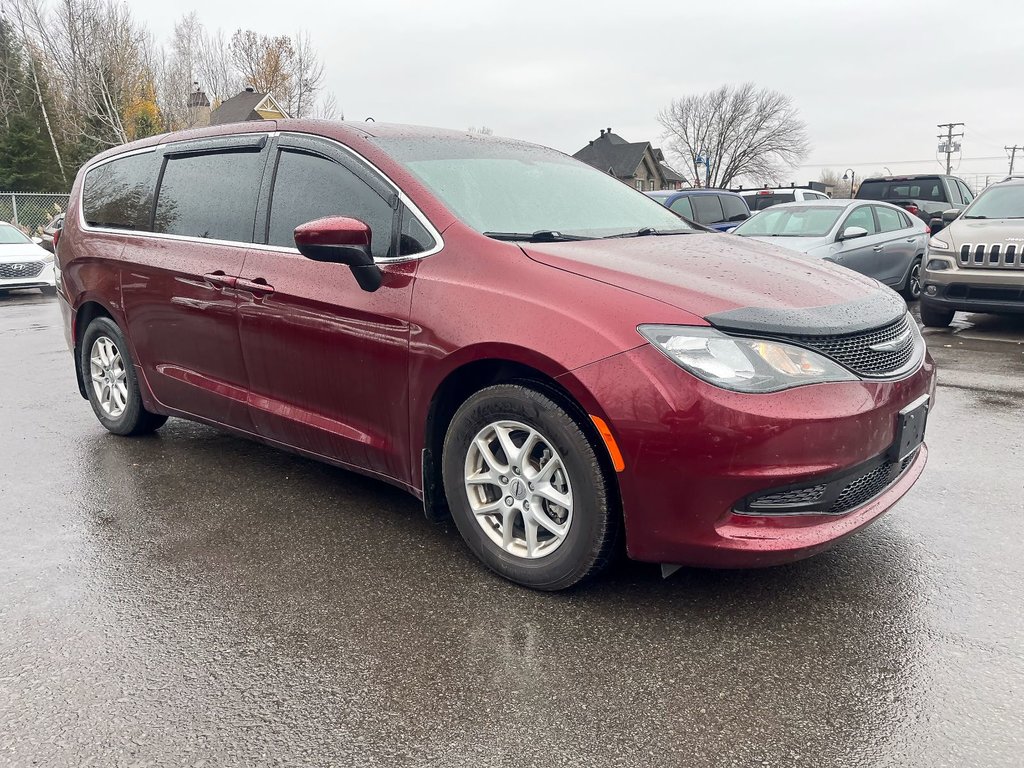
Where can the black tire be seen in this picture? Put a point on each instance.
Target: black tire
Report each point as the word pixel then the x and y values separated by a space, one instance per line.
pixel 134 419
pixel 912 290
pixel 935 317
pixel 588 544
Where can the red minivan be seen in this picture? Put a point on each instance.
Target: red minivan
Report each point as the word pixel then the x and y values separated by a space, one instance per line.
pixel 519 340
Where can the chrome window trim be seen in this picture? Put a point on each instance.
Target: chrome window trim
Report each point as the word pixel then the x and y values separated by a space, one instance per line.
pixel 402 197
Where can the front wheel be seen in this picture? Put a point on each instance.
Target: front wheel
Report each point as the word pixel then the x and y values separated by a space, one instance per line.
pixel 935 317
pixel 912 290
pixel 111 382
pixel 527 490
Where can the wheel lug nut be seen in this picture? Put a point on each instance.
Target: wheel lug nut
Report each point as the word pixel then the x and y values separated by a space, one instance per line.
pixel 508 501
pixel 503 479
pixel 516 470
pixel 526 505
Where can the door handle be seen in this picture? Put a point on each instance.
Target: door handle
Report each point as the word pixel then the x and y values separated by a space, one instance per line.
pixel 911 239
pixel 257 287
pixel 877 248
pixel 219 280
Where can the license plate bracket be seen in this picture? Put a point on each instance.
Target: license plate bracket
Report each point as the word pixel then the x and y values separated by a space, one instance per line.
pixel 910 426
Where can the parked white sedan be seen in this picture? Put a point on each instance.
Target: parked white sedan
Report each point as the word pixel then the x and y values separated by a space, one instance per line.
pixel 23 264
pixel 874 238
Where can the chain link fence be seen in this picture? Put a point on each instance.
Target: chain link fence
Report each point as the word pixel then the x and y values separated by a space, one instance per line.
pixel 31 210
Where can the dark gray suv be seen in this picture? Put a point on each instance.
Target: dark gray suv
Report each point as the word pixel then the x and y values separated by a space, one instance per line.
pixel 924 196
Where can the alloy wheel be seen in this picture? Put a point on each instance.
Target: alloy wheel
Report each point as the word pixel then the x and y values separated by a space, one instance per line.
pixel 109 377
pixel 519 489
pixel 915 280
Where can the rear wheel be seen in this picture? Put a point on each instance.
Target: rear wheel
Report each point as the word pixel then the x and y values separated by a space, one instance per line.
pixel 935 317
pixel 912 290
pixel 111 382
pixel 526 488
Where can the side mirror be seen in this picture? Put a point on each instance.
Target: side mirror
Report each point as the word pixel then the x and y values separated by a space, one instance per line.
pixel 37 240
pixel 948 217
pixel 340 240
pixel 852 233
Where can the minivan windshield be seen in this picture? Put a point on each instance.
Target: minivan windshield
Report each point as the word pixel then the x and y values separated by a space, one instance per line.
pixel 505 188
pixel 791 221
pixel 12 235
pixel 998 203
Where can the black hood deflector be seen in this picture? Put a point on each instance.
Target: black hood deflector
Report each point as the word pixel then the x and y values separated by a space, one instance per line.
pixel 875 310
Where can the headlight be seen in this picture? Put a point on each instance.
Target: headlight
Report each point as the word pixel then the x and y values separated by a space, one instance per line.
pixel 941 245
pixel 742 364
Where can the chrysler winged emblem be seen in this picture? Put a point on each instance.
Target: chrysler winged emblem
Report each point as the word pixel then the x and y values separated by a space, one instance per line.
pixel 893 344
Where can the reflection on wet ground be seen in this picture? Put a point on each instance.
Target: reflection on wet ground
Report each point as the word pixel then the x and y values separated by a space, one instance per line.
pixel 193 597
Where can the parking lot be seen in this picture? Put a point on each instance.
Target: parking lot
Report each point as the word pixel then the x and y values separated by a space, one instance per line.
pixel 191 598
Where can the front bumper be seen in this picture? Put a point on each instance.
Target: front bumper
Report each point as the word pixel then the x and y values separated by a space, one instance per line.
pixel 973 290
pixel 44 279
pixel 693 453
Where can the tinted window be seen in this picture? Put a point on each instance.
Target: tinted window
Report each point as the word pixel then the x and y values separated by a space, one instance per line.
pixel 965 191
pixel 888 219
pixel 682 207
pixel 414 237
pixel 707 209
pixel 734 208
pixel 210 195
pixel 929 188
pixel 309 187
pixel 120 193
pixel 759 202
pixel 861 217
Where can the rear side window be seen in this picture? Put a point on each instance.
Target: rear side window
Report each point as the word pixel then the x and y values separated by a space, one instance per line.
pixel 955 197
pixel 682 207
pixel 759 202
pixel 309 187
pixel 888 219
pixel 210 195
pixel 965 192
pixel 119 194
pixel 734 208
pixel 707 209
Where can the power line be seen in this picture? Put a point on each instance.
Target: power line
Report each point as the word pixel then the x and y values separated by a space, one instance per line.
pixel 948 147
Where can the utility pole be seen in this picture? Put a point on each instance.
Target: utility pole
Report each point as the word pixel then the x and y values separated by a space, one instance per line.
pixel 947 145
pixel 1013 155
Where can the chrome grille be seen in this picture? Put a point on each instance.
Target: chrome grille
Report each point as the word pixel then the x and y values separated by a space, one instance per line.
pixel 853 350
pixel 20 269
pixel 995 256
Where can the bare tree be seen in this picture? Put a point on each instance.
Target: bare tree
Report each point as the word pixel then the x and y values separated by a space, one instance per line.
pixel 306 75
pixel 327 108
pixel 735 132
pixel 265 62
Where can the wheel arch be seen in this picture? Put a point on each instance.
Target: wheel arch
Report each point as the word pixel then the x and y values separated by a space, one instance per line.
pixel 461 382
pixel 86 312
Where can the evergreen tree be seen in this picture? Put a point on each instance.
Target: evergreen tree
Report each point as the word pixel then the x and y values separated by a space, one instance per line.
pixel 26 159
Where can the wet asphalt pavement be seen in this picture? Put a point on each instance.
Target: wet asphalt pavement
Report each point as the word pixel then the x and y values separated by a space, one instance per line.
pixel 195 599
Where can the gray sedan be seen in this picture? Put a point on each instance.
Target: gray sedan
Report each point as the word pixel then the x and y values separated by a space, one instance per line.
pixel 874 238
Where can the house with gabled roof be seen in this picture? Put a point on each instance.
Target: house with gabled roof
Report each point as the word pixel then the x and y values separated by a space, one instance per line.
pixel 636 163
pixel 250 104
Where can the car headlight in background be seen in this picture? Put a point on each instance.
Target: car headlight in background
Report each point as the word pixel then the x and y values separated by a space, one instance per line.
pixel 938 244
pixel 742 364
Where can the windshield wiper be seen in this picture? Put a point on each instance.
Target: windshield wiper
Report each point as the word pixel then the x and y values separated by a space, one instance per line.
pixel 647 231
pixel 976 217
pixel 540 236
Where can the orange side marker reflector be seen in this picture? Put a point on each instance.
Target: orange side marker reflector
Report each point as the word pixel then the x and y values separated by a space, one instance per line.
pixel 609 441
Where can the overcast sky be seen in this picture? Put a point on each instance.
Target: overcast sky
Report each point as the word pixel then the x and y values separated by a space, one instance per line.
pixel 872 78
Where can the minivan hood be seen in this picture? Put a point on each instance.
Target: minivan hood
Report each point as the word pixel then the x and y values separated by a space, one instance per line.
pixel 732 282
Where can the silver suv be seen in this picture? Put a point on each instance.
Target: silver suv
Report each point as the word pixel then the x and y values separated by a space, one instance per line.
pixel 976 264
